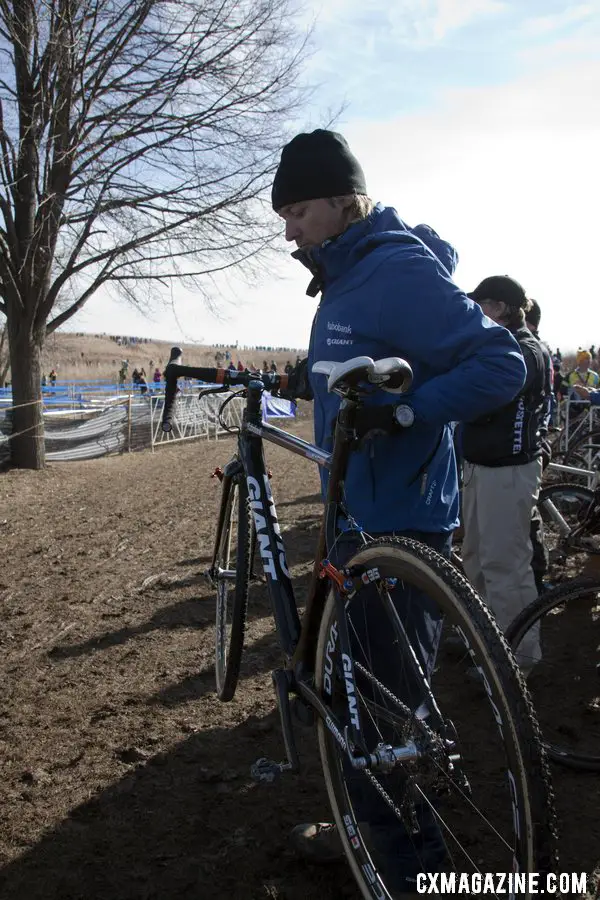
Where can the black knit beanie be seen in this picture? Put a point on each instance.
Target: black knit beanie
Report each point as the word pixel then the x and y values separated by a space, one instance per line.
pixel 319 164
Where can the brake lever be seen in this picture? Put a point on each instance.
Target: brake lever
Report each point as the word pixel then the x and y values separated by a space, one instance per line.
pixel 204 392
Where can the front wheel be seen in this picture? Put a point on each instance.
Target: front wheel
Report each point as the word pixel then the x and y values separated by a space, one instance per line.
pixel 478 797
pixel 231 576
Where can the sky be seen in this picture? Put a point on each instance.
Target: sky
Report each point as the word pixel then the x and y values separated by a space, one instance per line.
pixel 480 118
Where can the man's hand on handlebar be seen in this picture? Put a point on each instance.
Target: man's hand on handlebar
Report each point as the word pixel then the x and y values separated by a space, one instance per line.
pixel 298 387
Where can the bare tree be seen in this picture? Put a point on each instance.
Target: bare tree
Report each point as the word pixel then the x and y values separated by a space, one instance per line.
pixel 4 359
pixel 137 138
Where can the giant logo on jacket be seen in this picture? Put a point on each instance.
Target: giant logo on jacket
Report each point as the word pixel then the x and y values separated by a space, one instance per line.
pixel 343 333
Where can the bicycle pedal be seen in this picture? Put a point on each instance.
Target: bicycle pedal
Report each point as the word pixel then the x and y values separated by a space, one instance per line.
pixel 266 771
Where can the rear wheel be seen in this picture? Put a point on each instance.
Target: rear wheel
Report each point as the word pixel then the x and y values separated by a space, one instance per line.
pixel 231 576
pixel 478 797
pixel 565 683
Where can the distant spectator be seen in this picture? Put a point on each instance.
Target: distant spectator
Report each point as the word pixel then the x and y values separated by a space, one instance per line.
pixel 533 318
pixel 581 375
pixel 265 366
pixel 44 380
pixel 142 381
pixel 593 353
pixel 232 367
pixel 558 354
pixel 157 377
pixel 560 385
pixel 240 366
pixel 273 366
pixel 540 560
pixel 288 367
pixel 52 377
pixel 135 376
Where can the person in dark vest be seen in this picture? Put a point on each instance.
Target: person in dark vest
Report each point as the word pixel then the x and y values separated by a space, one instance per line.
pixel 502 471
pixel 540 559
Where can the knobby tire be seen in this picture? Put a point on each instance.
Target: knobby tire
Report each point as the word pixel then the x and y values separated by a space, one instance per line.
pixel 528 819
pixel 235 546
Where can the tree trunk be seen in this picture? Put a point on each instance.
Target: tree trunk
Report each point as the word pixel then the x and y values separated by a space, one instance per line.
pixel 4 357
pixel 27 449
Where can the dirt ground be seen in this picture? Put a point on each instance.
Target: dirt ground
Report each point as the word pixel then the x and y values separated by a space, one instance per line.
pixel 122 776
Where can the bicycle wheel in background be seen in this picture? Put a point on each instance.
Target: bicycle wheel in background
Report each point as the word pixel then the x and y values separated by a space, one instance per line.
pixel 565 684
pixel 584 451
pixel 570 501
pixel 231 577
pixel 577 460
pixel 479 794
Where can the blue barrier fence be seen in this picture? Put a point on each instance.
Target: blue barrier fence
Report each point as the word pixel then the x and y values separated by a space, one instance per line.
pixel 113 424
pixel 68 393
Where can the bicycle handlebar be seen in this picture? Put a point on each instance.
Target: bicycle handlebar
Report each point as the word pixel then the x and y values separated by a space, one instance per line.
pixel 225 377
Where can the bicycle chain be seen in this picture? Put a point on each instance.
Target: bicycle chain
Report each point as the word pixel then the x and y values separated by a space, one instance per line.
pixel 412 824
pixel 391 696
pixel 406 813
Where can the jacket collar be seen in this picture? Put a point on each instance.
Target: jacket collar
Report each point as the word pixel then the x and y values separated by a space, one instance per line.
pixel 331 259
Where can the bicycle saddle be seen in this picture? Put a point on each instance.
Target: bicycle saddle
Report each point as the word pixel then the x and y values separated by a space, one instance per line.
pixel 390 374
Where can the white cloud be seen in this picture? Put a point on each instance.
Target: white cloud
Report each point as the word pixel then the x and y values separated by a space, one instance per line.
pixel 450 15
pixel 414 23
pixel 509 175
pixel 545 25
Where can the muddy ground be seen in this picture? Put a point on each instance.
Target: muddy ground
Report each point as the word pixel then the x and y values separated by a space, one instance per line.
pixel 122 776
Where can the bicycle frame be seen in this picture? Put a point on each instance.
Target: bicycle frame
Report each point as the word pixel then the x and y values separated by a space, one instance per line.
pixel 298 640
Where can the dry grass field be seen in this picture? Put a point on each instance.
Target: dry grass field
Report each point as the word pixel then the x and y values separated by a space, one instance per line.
pixel 89 356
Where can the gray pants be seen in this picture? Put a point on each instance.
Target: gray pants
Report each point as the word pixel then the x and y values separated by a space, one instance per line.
pixel 497 551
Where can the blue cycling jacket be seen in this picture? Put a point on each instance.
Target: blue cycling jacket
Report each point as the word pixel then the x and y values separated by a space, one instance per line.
pixel 388 291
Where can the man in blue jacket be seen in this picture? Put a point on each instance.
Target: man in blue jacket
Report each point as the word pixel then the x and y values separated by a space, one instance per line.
pixel 386 290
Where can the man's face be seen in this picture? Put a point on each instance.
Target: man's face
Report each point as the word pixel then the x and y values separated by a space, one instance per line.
pixel 494 310
pixel 311 222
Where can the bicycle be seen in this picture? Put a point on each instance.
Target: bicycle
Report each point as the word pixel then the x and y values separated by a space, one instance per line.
pixel 585 450
pixel 570 513
pixel 564 683
pixel 412 746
